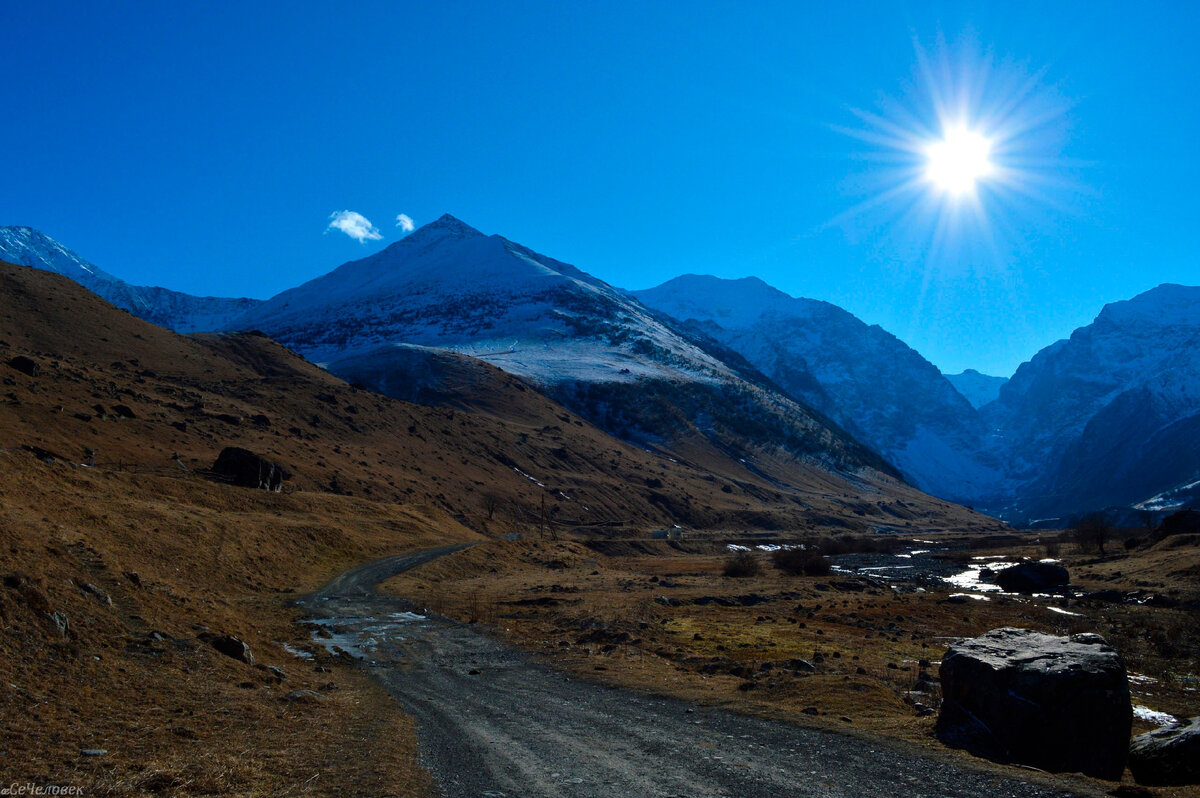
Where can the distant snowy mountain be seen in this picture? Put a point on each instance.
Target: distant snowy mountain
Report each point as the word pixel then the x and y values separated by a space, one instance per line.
pixel 978 389
pixel 590 346
pixel 863 377
pixel 1110 416
pixel 181 312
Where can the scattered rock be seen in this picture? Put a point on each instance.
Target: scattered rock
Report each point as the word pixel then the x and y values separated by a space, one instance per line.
pixel 59 621
pixel 26 365
pixel 1056 703
pixel 1033 577
pixel 249 470
pixel 96 592
pixel 45 455
pixel 124 411
pixel 305 697
pixel 1169 756
pixel 231 646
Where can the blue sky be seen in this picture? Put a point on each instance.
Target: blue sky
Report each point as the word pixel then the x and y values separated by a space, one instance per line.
pixel 204 146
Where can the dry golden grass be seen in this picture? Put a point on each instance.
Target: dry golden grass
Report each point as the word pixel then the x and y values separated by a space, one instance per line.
pixel 134 679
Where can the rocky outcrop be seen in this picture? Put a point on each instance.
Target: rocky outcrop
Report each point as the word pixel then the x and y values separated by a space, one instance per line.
pixel 1056 703
pixel 1033 577
pixel 1168 756
pixel 247 469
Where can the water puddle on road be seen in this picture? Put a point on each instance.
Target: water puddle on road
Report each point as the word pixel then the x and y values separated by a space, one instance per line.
pixel 362 637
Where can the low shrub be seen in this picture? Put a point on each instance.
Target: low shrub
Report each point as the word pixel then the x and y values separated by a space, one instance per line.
pixel 817 565
pixel 808 562
pixel 742 564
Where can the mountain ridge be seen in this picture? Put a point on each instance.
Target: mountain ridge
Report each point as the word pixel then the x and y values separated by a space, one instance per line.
pixel 175 310
pixel 1033 445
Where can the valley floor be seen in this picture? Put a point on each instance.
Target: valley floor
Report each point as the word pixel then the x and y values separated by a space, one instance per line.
pixel 493 722
pixel 845 654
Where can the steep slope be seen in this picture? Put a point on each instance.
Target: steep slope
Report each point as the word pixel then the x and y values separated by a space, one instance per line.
pixel 1108 416
pixel 866 379
pixel 978 389
pixel 171 309
pixel 583 342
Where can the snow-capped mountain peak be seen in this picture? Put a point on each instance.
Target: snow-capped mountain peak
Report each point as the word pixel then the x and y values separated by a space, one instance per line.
pixel 733 304
pixel 1167 305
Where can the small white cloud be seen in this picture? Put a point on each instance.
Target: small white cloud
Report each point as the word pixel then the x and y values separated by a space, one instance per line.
pixel 405 223
pixel 354 225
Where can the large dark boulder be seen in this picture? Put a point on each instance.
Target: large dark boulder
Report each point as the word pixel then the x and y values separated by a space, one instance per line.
pixel 230 646
pixel 1033 577
pixel 244 467
pixel 1056 703
pixel 1168 756
pixel 26 365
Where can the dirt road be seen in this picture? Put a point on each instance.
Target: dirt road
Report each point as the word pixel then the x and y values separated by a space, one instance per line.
pixel 492 722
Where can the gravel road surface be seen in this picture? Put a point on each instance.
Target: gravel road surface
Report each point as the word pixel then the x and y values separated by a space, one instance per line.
pixel 494 723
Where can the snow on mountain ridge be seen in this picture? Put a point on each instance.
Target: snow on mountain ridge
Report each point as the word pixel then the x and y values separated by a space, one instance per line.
pixel 449 285
pixel 863 377
pixel 175 310
pixel 1166 305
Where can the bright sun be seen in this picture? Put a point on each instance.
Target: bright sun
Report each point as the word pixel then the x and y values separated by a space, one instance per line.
pixel 960 160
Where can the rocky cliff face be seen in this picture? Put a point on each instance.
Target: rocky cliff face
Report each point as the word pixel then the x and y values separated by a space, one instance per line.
pixel 1110 415
pixel 174 310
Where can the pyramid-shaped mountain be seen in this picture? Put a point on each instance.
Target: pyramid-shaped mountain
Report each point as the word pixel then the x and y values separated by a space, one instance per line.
pixel 593 347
